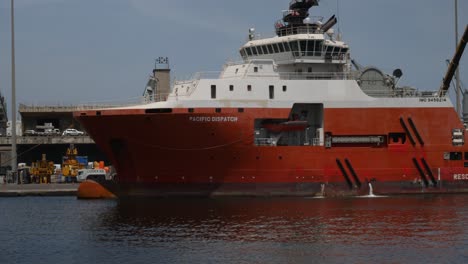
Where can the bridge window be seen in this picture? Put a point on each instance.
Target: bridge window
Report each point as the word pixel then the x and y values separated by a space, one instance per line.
pixel 310 47
pixel 259 49
pixel 329 51
pixel 319 49
pixel 275 48
pixel 336 51
pixel 254 51
pixel 243 54
pixel 265 50
pixel 315 48
pixel 287 48
pixel 295 48
pixel 270 49
pixel 249 51
pixel 281 47
pixel 303 44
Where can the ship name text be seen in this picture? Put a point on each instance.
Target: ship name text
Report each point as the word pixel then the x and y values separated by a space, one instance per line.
pixel 221 119
pixel 460 177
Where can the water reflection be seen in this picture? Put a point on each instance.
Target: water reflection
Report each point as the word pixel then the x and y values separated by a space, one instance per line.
pixel 365 221
pixel 384 230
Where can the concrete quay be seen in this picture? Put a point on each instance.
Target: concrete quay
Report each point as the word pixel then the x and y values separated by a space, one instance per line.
pixel 18 190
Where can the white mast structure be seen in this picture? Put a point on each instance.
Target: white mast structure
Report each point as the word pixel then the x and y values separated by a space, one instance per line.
pixel 14 162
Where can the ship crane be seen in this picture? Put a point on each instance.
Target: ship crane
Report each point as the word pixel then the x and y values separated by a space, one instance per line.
pixel 454 64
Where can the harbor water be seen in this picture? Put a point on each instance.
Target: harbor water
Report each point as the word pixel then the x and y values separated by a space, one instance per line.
pixel 403 229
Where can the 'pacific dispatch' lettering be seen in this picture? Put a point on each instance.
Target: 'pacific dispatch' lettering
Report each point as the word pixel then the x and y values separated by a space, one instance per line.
pixel 231 119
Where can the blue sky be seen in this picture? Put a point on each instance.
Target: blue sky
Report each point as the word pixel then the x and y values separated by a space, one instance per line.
pixel 84 51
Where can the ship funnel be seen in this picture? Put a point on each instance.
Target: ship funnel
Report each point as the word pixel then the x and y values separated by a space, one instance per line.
pixel 162 78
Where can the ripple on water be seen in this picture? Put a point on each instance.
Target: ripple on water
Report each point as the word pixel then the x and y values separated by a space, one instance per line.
pixel 279 230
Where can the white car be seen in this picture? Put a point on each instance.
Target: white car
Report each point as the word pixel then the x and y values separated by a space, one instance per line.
pixel 91 174
pixel 30 132
pixel 72 132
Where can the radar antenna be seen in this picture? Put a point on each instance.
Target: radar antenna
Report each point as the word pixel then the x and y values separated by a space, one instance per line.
pixel 296 20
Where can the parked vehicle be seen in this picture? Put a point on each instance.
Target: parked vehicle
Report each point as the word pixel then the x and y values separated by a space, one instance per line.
pixel 47 129
pixel 51 132
pixel 30 132
pixel 91 174
pixel 55 131
pixel 72 132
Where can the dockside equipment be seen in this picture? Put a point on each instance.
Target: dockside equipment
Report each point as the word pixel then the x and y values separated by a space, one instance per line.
pixel 42 170
pixel 70 165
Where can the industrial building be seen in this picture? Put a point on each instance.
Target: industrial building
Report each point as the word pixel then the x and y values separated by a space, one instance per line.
pixel 48 123
pixel 31 147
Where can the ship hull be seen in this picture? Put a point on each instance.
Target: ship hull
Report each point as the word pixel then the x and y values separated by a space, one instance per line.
pixel 281 190
pixel 206 153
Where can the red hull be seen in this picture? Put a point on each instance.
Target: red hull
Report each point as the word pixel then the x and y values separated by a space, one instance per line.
pixel 208 153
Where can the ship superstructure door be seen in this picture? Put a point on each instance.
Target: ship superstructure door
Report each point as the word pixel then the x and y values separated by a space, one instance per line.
pixel 303 127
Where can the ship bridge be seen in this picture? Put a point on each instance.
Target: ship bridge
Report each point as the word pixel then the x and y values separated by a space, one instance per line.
pixel 300 48
pixel 302 43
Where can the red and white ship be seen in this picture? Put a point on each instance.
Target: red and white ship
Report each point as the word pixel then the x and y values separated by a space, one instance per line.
pixel 294 118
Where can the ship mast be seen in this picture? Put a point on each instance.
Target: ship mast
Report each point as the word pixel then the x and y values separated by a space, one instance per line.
pixel 14 162
pixel 296 20
pixel 457 74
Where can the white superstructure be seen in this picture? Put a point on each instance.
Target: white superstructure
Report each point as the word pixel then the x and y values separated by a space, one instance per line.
pixel 306 61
